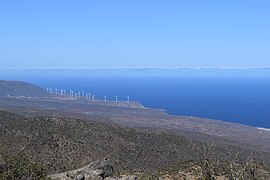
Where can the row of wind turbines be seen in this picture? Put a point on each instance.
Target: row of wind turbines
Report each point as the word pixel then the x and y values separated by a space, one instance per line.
pixel 82 95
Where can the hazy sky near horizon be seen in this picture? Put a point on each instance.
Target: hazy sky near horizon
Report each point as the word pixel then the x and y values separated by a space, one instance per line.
pixel 138 33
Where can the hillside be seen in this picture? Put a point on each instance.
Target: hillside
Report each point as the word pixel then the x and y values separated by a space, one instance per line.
pixel 139 118
pixel 21 89
pixel 62 144
pixel 131 114
pixel 64 133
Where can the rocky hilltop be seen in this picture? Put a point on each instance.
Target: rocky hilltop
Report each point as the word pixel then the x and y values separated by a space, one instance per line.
pixel 97 170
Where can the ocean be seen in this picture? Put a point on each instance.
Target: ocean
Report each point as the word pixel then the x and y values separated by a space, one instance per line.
pixel 231 96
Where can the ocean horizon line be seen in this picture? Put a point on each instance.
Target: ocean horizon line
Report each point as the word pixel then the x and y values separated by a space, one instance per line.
pixel 135 68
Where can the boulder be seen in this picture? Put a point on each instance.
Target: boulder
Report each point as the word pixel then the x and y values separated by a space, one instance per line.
pixel 80 177
pixel 103 167
pixel 97 170
pixel 129 178
pixel 123 178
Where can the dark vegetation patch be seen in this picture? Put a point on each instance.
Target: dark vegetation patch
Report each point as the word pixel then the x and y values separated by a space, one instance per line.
pixel 20 168
pixel 61 144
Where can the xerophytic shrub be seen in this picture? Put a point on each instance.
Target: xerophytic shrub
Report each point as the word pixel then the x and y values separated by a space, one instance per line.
pixel 20 168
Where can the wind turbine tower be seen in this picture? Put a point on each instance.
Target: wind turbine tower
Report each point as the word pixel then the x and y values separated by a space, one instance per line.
pixel 93 97
pixel 116 98
pixel 71 93
pixel 128 98
pixel 105 98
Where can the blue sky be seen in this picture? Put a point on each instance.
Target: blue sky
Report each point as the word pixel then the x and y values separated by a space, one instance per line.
pixel 138 33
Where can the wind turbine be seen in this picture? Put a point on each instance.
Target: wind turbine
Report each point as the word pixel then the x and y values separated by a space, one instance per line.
pixel 105 98
pixel 116 98
pixel 83 94
pixel 93 96
pixel 127 98
pixel 72 94
pixel 61 92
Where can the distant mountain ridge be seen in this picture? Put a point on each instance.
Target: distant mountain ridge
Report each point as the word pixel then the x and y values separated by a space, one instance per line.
pixel 21 89
pixel 18 89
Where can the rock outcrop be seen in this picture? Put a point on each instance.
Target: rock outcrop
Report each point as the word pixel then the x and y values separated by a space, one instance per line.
pixel 97 170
